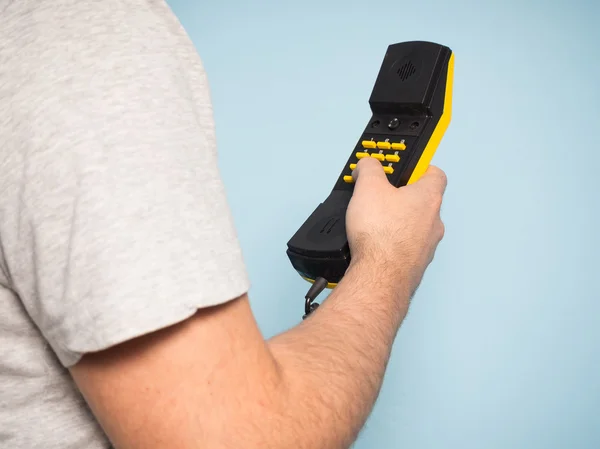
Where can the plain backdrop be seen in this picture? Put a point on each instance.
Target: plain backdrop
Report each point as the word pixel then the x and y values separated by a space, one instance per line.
pixel 501 348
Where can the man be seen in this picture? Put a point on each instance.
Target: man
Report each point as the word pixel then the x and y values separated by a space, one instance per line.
pixel 124 313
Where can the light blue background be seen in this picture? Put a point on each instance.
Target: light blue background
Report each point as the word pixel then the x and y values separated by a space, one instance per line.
pixel 502 345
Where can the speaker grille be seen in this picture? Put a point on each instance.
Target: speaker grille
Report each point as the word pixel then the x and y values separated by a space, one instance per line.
pixel 406 71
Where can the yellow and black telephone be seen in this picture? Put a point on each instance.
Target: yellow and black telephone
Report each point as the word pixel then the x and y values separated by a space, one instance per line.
pixel 411 105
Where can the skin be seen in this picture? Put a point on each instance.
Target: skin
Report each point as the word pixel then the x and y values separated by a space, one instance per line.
pixel 213 381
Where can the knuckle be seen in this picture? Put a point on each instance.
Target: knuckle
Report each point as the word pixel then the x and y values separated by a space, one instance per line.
pixel 441 230
pixel 435 200
pixel 442 175
pixel 437 170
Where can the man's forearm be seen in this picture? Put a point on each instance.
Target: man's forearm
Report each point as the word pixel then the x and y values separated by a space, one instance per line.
pixel 333 363
pixel 311 387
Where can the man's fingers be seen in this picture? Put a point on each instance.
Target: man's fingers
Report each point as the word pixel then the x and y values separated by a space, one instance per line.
pixel 434 179
pixel 368 170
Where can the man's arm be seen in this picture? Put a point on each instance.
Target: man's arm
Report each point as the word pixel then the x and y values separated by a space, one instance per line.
pixel 213 381
pixel 120 245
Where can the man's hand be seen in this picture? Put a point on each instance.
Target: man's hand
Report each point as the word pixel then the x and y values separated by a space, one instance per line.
pixel 213 382
pixel 395 230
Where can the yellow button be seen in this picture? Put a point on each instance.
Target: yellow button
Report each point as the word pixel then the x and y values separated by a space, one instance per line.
pixel 392 158
pixel 352 166
pixel 384 145
pixel 361 155
pixel 349 179
pixel 398 146
pixel 388 170
pixel 369 144
pixel 378 156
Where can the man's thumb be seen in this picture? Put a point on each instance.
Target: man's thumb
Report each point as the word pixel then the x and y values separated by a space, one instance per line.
pixel 368 170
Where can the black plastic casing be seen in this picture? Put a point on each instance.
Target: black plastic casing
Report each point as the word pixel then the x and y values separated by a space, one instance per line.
pixel 409 89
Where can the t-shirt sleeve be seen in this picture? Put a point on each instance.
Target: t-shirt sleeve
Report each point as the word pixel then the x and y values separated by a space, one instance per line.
pixel 114 220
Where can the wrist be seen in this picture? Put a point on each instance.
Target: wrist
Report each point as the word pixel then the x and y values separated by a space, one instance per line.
pixel 376 286
pixel 388 278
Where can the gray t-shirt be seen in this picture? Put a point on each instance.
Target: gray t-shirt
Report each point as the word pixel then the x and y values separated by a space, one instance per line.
pixel 113 216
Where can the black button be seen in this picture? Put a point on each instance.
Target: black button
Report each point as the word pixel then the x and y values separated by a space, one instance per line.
pixel 394 123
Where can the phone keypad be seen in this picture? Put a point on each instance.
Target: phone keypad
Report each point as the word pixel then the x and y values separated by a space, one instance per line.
pixel 386 152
